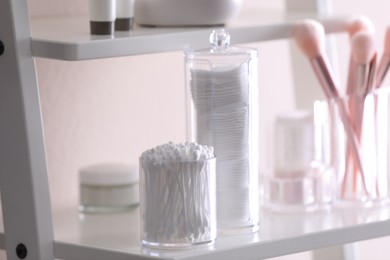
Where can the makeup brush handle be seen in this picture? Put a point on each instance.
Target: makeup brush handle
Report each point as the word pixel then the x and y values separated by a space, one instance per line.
pixel 351 135
pixel 360 86
pixel 352 140
pixel 325 76
pixel 383 67
pixel 351 76
pixel 371 77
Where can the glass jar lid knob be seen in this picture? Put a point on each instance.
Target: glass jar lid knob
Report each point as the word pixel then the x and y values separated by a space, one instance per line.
pixel 220 40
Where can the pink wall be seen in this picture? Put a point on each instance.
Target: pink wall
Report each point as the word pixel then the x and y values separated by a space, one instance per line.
pixel 106 111
pixel 114 109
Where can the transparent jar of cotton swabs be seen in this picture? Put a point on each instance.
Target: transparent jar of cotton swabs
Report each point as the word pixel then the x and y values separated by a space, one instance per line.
pixel 222 102
pixel 177 196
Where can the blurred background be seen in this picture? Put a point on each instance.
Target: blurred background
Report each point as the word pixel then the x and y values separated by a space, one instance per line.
pixel 111 110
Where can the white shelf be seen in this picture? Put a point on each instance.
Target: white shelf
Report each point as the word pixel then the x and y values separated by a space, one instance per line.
pixel 69 38
pixel 116 236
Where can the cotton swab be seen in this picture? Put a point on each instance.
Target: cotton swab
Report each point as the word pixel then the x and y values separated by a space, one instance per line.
pixel 178 192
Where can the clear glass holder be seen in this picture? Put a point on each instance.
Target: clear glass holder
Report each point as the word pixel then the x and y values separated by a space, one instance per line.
pixel 360 155
pixel 178 204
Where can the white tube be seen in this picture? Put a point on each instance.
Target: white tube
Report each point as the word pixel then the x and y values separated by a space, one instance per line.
pixel 124 8
pixel 102 10
pixel 102 16
pixel 124 15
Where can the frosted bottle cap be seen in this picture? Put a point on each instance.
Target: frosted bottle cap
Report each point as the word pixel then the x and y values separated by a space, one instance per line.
pixel 294 141
pixel 109 174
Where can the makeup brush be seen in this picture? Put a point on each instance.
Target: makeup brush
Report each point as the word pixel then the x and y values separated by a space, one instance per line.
pixel 356 24
pixel 363 60
pixel 362 66
pixel 384 63
pixel 309 35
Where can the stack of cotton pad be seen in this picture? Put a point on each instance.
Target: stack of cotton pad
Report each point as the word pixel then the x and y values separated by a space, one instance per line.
pixel 221 100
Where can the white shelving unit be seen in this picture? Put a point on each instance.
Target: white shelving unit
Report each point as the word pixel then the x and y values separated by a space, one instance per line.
pixel 29 226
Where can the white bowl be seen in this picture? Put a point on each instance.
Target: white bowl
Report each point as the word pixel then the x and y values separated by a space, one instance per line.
pixel 185 12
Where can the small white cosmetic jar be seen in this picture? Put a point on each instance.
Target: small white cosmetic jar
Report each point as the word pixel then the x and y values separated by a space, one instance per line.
pixel 106 188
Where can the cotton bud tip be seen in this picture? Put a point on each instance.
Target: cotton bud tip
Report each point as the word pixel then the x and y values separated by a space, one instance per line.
pixel 171 152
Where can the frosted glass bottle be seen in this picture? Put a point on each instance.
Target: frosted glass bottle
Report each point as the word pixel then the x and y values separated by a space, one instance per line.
pixel 222 109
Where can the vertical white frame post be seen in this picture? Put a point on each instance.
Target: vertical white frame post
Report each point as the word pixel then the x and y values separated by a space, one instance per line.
pixel 23 172
pixel 307 89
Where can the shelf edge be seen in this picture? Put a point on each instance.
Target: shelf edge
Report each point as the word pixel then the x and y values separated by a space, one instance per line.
pixel 76 252
pixel 173 41
pixel 303 243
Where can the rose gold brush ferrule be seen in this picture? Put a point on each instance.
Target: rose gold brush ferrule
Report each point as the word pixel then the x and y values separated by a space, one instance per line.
pixel 371 77
pixel 383 67
pixel 384 63
pixel 351 79
pixel 365 74
pixel 325 77
pixel 363 54
pixel 361 80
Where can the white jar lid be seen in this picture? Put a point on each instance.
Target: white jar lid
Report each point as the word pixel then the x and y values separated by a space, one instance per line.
pixel 294 141
pixel 109 174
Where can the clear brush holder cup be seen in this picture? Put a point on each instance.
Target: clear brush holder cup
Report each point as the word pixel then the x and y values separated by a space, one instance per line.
pixel 357 146
pixel 178 203
pixel 297 179
pixel 222 112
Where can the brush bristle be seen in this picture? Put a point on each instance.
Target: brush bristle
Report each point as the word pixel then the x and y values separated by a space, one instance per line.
pixel 360 23
pixel 363 47
pixel 387 42
pixel 309 35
